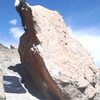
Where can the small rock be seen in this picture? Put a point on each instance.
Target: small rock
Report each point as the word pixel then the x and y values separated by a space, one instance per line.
pixel 12 47
pixel 90 91
pixel 82 83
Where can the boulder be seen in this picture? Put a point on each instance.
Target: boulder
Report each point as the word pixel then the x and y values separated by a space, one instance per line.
pixel 2 94
pixel 58 64
pixel 12 47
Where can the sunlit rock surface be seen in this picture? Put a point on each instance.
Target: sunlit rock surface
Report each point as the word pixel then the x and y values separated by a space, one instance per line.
pixel 59 66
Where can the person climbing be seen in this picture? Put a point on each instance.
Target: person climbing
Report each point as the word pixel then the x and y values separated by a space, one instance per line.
pixel 19 4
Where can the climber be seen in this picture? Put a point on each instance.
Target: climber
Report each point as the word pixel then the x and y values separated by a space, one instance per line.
pixel 19 4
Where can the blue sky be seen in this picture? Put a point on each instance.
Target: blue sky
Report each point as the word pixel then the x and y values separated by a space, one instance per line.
pixel 81 16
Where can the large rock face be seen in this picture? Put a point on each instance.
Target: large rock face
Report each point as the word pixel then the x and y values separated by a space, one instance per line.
pixel 58 64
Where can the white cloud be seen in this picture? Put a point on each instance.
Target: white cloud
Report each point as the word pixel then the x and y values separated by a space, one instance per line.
pixel 16 32
pixel 13 21
pixel 91 30
pixel 89 41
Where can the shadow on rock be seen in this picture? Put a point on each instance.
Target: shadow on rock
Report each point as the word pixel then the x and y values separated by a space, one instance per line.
pixel 26 80
pixel 12 85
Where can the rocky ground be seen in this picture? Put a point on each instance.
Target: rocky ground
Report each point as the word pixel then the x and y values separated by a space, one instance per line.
pixel 15 87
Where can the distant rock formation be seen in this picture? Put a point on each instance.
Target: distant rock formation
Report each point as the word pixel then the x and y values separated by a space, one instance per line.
pixel 11 77
pixel 12 47
pixel 2 47
pixel 2 94
pixel 58 64
pixel 8 57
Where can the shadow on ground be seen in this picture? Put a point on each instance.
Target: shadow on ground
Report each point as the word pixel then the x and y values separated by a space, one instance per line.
pixel 12 85
pixel 25 79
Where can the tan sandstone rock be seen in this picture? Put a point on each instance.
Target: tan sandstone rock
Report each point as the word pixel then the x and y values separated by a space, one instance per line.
pixel 58 64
